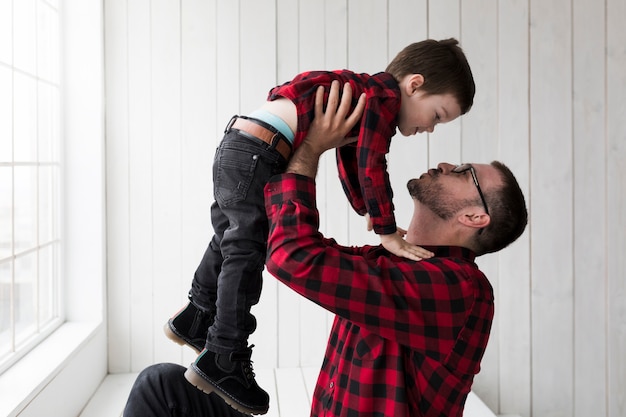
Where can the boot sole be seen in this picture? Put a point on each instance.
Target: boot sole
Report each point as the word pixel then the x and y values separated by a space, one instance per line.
pixel 176 338
pixel 198 381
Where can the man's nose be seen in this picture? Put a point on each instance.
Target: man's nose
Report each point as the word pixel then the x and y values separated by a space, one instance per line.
pixel 445 167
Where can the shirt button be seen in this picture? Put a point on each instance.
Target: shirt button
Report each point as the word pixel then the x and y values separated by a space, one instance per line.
pixel 332 384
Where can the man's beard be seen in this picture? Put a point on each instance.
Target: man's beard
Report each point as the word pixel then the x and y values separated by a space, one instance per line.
pixel 432 194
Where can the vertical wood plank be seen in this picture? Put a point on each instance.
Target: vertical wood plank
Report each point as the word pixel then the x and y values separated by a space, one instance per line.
pixel 616 202
pixel 166 133
pixel 589 203
pixel 287 40
pixel 367 41
pixel 513 302
pixel 335 20
pixel 117 164
pixel 141 184
pixel 311 36
pixel 551 208
pixel 314 332
pixel 228 63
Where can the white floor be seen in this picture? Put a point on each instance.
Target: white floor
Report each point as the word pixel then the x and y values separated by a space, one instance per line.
pixel 290 391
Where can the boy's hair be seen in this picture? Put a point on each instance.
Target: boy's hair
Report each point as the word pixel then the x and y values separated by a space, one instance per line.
pixel 443 65
pixel 508 213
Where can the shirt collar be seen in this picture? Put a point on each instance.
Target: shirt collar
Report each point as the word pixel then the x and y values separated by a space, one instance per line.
pixel 452 252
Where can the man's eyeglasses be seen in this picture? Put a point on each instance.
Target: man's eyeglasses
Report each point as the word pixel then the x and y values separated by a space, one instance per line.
pixel 459 169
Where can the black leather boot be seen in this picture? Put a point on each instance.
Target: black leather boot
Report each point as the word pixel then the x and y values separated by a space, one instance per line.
pixel 189 326
pixel 230 376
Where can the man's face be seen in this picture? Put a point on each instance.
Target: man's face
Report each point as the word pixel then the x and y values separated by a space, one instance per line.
pixel 445 192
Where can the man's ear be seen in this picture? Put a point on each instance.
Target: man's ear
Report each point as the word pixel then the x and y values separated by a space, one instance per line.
pixel 474 219
pixel 414 83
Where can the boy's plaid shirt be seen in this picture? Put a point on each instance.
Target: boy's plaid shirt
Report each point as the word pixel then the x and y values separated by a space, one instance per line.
pixel 363 165
pixel 408 336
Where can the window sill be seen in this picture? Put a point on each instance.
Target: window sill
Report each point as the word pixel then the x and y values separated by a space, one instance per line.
pixel 33 375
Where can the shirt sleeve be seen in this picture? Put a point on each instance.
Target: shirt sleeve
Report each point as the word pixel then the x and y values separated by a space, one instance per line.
pixel 422 304
pixel 363 168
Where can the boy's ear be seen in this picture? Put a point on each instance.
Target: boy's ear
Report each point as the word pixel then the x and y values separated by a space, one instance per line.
pixel 414 83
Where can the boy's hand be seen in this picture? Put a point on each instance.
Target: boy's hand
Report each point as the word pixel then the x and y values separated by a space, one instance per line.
pixel 368 221
pixel 400 247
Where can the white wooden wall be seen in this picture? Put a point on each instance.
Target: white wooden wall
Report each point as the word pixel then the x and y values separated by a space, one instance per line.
pixel 550 103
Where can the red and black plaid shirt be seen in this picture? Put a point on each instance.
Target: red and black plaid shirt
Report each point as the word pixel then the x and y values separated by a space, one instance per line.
pixel 362 166
pixel 408 336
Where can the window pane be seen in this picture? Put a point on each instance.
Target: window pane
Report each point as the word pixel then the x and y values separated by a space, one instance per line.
pixel 48 280
pixel 6 32
pixel 24 118
pixel 5 308
pixel 48 204
pixel 6 212
pixel 24 295
pixel 6 116
pixel 25 35
pixel 48 129
pixel 47 43
pixel 25 207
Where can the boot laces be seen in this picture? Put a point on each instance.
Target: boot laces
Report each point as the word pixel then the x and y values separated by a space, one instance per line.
pixel 244 356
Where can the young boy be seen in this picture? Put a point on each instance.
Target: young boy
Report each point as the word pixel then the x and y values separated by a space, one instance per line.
pixel 427 83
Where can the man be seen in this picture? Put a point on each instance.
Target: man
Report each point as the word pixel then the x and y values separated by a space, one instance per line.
pixel 408 336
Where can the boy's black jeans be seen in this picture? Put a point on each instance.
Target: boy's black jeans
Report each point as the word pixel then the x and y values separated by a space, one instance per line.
pixel 229 277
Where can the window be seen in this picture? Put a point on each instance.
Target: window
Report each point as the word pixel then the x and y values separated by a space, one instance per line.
pixel 30 175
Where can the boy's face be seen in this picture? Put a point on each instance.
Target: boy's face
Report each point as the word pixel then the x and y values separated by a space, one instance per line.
pixel 420 112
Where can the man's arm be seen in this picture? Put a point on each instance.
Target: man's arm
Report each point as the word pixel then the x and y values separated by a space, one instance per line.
pixel 328 129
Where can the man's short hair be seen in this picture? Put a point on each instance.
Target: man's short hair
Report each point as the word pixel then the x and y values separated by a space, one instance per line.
pixel 508 213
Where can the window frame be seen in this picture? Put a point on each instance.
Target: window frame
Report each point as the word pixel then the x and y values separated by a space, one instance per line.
pixel 30 57
pixel 80 342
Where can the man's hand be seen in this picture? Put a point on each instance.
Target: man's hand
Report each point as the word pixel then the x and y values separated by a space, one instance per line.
pixel 328 129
